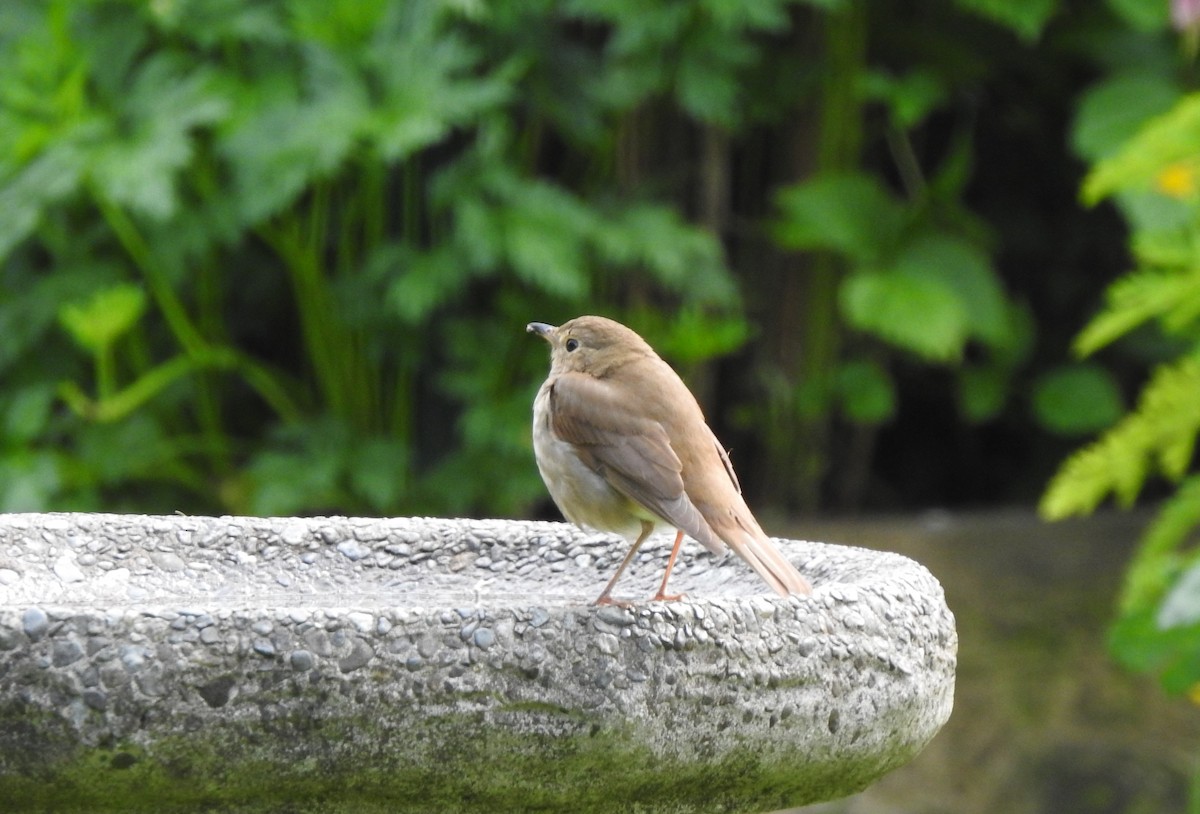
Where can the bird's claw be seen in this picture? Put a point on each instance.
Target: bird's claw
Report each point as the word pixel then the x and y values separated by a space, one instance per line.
pixel 608 600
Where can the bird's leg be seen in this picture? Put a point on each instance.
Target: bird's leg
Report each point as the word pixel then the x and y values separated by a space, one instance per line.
pixel 604 598
pixel 662 595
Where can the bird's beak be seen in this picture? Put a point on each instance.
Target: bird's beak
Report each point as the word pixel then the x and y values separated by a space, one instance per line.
pixel 541 329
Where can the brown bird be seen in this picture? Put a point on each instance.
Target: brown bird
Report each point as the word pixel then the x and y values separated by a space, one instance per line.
pixel 622 445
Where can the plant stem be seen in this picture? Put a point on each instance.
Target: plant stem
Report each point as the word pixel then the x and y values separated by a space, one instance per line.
pixel 106 380
pixel 143 257
pixel 813 289
pixel 186 334
pixel 189 337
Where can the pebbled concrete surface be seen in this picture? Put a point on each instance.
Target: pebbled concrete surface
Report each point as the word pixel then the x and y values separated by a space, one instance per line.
pixel 411 664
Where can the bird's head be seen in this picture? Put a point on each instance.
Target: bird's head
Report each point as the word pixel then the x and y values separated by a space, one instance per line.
pixel 590 344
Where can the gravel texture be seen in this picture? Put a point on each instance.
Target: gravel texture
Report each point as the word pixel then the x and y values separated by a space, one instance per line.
pixel 413 664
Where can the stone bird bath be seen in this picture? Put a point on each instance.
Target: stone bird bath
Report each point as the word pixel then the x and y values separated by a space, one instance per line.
pixel 411 664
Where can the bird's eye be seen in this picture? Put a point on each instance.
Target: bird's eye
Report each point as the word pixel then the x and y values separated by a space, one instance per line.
pixel 572 344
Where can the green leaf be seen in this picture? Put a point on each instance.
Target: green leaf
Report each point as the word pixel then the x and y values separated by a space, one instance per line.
pixel 423 281
pixel 1026 17
pixel 29 481
pixel 102 319
pixel 1140 15
pixel 1159 554
pixel 302 470
pixel 117 452
pixel 429 77
pixel 693 335
pixel 850 214
pixel 25 413
pixel 910 98
pixel 1160 431
pixel 966 270
pixel 914 312
pixel 478 232
pixel 225 23
pixel 708 89
pixel 1161 142
pixel 1116 464
pixel 1171 654
pixel 166 103
pixel 544 238
pixel 30 309
pixel 1181 606
pixel 338 24
pixel 1111 112
pixel 983 391
pixel 1077 399
pixel 1169 413
pixel 290 132
pixel 681 256
pixel 866 392
pixel 1172 295
pixel 1165 247
pixel 379 472
pixel 27 191
pixel 1148 210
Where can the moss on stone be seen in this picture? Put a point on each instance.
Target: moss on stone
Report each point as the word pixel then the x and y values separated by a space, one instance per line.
pixel 319 766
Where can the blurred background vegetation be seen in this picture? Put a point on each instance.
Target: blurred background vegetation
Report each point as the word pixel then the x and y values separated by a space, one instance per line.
pixel 277 257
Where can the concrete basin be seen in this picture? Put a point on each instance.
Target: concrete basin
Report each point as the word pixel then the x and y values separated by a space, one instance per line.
pixel 414 664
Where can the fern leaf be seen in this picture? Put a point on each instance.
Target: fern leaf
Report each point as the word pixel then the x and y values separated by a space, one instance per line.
pixel 1168 138
pixel 1170 406
pixel 1139 296
pixel 1160 551
pixel 1114 463
pixel 1165 248
pixel 1161 430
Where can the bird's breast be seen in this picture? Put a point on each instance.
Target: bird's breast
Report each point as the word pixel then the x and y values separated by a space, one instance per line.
pixel 582 493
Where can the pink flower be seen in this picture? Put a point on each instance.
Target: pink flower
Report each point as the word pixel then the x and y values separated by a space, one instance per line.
pixel 1185 14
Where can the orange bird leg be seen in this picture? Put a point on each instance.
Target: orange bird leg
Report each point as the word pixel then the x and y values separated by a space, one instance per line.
pixel 662 595
pixel 604 598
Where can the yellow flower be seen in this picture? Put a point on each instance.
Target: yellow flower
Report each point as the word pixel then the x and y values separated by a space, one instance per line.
pixel 1177 180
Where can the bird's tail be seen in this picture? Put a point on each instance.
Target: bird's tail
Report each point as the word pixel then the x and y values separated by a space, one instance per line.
pixel 753 546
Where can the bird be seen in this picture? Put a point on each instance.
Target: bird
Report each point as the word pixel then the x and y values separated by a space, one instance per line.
pixel 622 445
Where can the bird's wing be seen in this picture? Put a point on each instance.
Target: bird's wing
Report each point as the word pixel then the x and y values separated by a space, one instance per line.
pixel 725 460
pixel 633 453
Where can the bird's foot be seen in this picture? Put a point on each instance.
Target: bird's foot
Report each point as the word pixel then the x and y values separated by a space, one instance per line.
pixel 663 597
pixel 605 599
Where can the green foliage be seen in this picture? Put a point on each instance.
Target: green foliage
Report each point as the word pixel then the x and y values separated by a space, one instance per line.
pixel 1141 159
pixel 911 311
pixel 848 213
pixel 920 287
pixel 1152 173
pixel 288 241
pixel 1025 17
pixel 1077 399
pixel 866 392
pixel 1170 295
pixel 1160 561
pixel 1142 16
pixel 277 257
pixel 909 98
pixel 1113 110
pixel 1159 435
pixel 109 313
